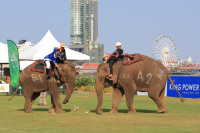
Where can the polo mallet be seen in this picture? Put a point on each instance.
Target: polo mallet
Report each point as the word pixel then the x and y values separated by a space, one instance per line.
pixel 76 108
pixel 108 54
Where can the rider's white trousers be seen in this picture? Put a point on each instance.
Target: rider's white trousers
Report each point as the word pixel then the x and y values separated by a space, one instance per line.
pixel 47 61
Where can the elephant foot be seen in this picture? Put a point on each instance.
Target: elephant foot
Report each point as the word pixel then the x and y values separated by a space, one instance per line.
pixel 59 111
pixel 132 111
pixel 113 112
pixel 99 111
pixel 29 111
pixel 162 111
pixel 51 110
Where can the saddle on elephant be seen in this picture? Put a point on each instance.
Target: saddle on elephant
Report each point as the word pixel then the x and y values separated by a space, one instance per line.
pixel 127 60
pixel 38 66
pixel 132 58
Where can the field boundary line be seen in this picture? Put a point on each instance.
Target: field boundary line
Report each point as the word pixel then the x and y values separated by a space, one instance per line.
pixel 12 130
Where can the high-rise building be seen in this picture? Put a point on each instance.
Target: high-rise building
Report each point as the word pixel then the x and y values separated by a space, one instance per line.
pixel 76 22
pixel 84 27
pixel 100 53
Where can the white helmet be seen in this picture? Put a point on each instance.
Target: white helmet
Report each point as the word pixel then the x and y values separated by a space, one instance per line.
pixel 118 44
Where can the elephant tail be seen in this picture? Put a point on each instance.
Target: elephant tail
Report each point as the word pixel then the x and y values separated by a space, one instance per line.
pixel 15 91
pixel 168 76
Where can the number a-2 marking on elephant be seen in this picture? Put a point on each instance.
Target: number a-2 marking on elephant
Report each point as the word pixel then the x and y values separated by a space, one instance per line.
pixel 141 77
pixel 126 76
pixel 150 76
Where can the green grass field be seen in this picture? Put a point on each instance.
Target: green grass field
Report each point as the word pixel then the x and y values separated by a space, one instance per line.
pixel 182 117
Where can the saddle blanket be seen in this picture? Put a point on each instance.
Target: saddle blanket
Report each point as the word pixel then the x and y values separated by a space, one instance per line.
pixel 38 66
pixel 128 61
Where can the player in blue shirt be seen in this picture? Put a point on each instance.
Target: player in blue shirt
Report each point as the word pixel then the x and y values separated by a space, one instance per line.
pixel 52 57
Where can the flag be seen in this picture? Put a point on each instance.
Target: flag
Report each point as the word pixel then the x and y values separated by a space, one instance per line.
pixel 14 63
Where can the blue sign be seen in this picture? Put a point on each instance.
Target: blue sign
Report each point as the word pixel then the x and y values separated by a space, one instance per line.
pixel 188 86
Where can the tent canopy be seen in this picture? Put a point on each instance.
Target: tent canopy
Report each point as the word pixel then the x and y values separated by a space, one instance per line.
pixel 45 46
pixel 3 53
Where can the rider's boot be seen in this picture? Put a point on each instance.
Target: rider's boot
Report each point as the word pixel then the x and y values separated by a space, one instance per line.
pixel 109 76
pixel 47 73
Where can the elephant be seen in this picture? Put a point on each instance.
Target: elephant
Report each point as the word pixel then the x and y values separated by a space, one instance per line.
pixel 147 75
pixel 33 83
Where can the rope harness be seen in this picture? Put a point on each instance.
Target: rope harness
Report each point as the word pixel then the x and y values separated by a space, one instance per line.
pixel 131 69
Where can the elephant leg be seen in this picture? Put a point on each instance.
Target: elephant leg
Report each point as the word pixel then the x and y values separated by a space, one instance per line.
pixel 158 98
pixel 162 100
pixel 34 96
pixel 52 107
pixel 118 94
pixel 129 100
pixel 27 106
pixel 55 94
pixel 99 90
pixel 130 90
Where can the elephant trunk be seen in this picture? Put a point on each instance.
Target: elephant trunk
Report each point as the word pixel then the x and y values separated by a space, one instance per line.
pixel 71 85
pixel 99 91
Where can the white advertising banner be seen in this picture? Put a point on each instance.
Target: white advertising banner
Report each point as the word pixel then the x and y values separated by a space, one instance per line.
pixel 146 93
pixel 4 87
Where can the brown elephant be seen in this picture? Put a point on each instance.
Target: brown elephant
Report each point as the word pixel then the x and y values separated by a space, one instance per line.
pixel 34 82
pixel 147 75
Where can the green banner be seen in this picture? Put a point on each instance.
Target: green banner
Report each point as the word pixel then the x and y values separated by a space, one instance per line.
pixel 14 63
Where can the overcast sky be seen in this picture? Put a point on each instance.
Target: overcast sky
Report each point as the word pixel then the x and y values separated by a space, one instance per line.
pixel 134 23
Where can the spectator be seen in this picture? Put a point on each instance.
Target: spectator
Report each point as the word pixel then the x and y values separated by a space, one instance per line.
pixel 43 96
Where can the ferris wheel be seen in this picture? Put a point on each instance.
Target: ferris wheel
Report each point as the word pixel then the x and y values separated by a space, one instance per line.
pixel 165 50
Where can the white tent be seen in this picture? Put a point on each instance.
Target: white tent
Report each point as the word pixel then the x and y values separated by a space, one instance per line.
pixel 24 64
pixel 45 46
pixel 3 53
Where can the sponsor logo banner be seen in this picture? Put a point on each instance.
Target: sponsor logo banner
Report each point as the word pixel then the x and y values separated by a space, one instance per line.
pixel 4 87
pixel 14 63
pixel 188 86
